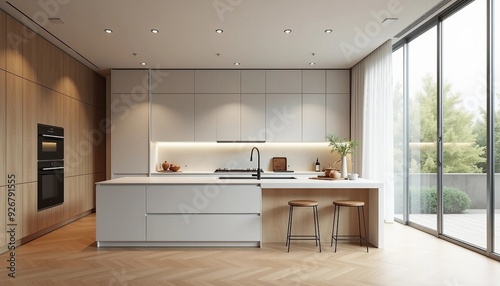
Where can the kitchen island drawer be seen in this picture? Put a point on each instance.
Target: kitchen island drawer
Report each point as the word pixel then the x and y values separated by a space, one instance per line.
pixel 204 227
pixel 210 198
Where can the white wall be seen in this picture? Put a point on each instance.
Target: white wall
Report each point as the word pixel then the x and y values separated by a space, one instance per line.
pixel 209 156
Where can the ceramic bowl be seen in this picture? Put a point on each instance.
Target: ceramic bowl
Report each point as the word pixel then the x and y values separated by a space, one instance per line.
pixel 174 168
pixel 352 176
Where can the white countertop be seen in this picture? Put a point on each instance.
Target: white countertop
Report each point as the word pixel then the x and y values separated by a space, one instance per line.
pixel 300 182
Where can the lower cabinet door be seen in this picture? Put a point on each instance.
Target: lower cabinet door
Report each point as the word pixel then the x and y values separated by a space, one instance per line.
pixel 203 227
pixel 120 213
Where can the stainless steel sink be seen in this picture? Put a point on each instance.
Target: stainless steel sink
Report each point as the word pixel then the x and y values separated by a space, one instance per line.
pixel 253 178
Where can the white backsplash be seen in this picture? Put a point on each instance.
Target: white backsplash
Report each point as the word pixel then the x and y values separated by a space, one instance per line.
pixel 193 157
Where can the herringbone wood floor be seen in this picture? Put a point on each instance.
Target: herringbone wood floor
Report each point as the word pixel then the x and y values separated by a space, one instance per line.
pixel 68 256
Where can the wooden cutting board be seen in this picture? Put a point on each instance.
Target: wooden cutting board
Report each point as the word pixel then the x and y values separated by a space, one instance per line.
pixel 325 178
pixel 279 164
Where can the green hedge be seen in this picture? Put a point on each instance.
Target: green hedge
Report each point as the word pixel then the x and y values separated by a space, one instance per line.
pixel 425 200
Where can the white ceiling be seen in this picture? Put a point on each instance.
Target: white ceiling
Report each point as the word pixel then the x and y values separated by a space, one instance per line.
pixel 253 31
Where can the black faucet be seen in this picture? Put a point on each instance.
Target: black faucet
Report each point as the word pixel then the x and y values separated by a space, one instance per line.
pixel 258 163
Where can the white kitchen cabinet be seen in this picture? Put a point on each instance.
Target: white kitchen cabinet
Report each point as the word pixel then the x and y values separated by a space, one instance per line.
pixel 313 81
pixel 338 81
pixel 284 81
pixel 228 117
pixel 253 81
pixel 313 117
pixel 130 134
pixel 338 115
pixel 205 117
pixel 284 117
pixel 228 81
pixel 196 199
pixel 172 117
pixel 130 81
pixel 120 213
pixel 253 117
pixel 205 81
pixel 205 228
pixel 172 81
pixel 204 213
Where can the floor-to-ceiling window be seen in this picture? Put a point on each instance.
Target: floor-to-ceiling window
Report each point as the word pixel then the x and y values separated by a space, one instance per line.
pixel 496 93
pixel 447 94
pixel 399 143
pixel 422 122
pixel 464 124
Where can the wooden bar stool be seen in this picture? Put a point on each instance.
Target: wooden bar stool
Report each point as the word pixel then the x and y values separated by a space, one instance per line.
pixel 303 203
pixel 336 215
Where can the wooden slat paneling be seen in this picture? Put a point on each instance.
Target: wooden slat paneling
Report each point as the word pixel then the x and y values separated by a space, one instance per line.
pixel 30 137
pixel 2 39
pixel 29 209
pixel 14 130
pixel 3 215
pixel 14 46
pixel 30 55
pixel 3 125
pixel 45 106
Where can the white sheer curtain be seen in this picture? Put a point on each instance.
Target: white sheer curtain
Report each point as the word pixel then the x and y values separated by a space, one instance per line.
pixel 372 121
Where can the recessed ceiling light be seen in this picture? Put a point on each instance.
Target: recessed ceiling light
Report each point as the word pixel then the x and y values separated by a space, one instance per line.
pixel 219 31
pixel 389 20
pixel 109 31
pixel 312 64
pixel 155 31
pixel 236 64
pixel 287 31
pixel 328 31
pixel 144 64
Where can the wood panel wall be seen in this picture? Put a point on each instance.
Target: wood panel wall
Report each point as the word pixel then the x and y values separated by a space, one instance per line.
pixel 39 83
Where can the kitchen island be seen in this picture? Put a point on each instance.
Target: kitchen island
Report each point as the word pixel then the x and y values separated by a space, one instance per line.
pixel 199 211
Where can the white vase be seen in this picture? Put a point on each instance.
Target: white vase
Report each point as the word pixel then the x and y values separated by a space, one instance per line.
pixel 343 167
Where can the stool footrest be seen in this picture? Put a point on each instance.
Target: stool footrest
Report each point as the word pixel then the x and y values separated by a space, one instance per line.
pixel 349 237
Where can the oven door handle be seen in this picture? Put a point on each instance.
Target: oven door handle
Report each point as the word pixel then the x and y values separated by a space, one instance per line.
pixel 52 168
pixel 53 136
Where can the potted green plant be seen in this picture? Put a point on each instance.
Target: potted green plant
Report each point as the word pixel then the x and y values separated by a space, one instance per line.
pixel 343 147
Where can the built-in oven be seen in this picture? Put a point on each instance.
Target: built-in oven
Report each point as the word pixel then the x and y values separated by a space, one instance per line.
pixel 50 184
pixel 50 166
pixel 50 142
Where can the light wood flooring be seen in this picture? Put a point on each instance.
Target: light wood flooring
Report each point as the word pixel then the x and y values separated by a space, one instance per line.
pixel 68 256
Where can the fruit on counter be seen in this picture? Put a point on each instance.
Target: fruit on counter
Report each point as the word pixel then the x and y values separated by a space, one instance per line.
pixel 174 168
pixel 165 165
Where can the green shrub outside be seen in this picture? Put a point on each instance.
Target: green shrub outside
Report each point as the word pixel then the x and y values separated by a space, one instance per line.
pixel 424 200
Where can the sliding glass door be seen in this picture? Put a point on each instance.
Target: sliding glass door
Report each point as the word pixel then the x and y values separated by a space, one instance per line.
pixel 464 125
pixel 496 93
pixel 422 129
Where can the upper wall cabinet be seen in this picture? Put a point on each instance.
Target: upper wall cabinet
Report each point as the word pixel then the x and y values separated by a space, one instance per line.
pixel 129 139
pixel 130 81
pixel 228 117
pixel 284 117
pixel 338 114
pixel 283 81
pixel 313 81
pixel 253 117
pixel 172 81
pixel 205 81
pixel 228 81
pixel 205 117
pixel 338 81
pixel 313 117
pixel 173 117
pixel 253 81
